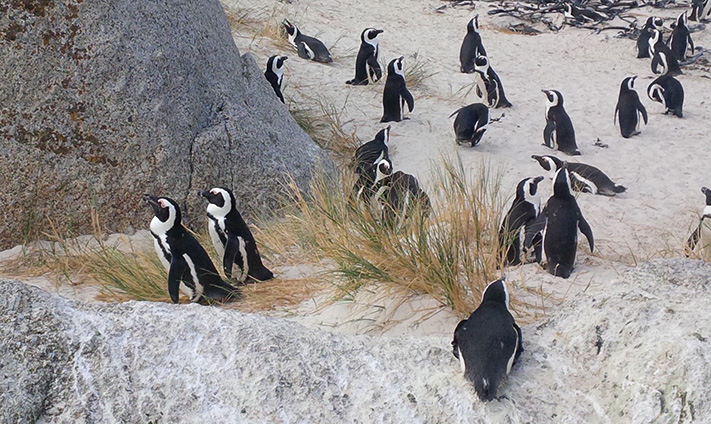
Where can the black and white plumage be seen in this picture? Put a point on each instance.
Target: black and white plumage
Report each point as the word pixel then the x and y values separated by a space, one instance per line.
pixel 700 10
pixel 190 269
pixel 629 111
pixel 395 94
pixel 522 217
pixel 367 67
pixel 563 219
pixel 680 42
pixel 584 178
pixel 489 343
pixel 700 238
pixel 275 74
pixel 493 93
pixel 643 47
pixel 559 133
pixel 398 194
pixel 308 47
pixel 471 47
pixel 668 91
pixel 471 123
pixel 366 158
pixel 664 61
pixel 581 15
pixel 232 238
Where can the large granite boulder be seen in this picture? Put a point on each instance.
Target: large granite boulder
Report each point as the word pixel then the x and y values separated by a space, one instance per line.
pixel 636 351
pixel 103 100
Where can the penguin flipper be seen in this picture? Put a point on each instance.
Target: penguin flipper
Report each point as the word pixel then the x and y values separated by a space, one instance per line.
pixel 232 252
pixel 304 51
pixel 533 227
pixel 374 69
pixel 643 110
pixel 655 63
pixel 408 98
pixel 617 112
pixel 548 133
pixel 519 348
pixel 587 231
pixel 175 273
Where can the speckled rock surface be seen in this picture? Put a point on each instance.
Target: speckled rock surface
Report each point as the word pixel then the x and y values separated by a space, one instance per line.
pixel 103 100
pixel 635 352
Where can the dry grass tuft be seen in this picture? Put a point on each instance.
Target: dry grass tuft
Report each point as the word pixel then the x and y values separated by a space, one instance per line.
pixel 241 19
pixel 416 73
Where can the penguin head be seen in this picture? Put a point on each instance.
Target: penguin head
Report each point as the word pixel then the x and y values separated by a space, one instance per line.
pixel 549 163
pixel 561 182
pixel 568 10
pixel 221 201
pixel 496 292
pixel 370 36
pixel 527 190
pixel 654 35
pixel 656 93
pixel 396 67
pixel 276 64
pixel 383 136
pixel 481 64
pixel 473 25
pixel 383 169
pixel 707 193
pixel 628 83
pixel 682 20
pixel 553 98
pixel 291 29
pixel 166 211
pixel 654 22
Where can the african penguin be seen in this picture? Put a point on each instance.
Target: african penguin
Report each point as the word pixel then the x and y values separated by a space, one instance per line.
pixel 701 237
pixel 559 132
pixel 470 123
pixel 275 74
pixel 367 66
pixel 680 41
pixel 656 40
pixel 629 110
pixel 398 194
pixel 396 94
pixel 489 342
pixel 700 10
pixel 190 270
pixel 308 47
pixel 522 216
pixel 643 49
pixel 471 47
pixel 663 57
pixel 582 15
pixel 232 238
pixel 584 178
pixel 367 157
pixel 668 91
pixel 494 95
pixel 563 218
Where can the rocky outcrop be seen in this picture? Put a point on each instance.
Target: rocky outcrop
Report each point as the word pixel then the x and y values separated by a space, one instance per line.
pixel 103 100
pixel 636 352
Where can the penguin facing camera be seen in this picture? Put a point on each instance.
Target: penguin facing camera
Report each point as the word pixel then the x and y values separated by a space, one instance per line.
pixel 275 74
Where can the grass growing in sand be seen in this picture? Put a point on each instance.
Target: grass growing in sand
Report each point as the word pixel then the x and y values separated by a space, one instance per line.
pixel 450 254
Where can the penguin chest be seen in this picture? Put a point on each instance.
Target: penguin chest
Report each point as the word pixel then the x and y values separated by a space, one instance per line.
pixel 160 244
pixel 218 235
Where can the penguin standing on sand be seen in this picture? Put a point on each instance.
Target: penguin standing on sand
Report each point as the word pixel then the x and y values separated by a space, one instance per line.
pixel 563 218
pixel 583 177
pixel 668 91
pixel 701 237
pixel 275 74
pixel 700 10
pixel 489 342
pixel 680 41
pixel 470 123
pixel 629 110
pixel 308 47
pixel 495 96
pixel 367 66
pixel 522 216
pixel 662 56
pixel 471 47
pixel 191 270
pixel 643 48
pixel 559 132
pixel 232 238
pixel 396 94
pixel 366 159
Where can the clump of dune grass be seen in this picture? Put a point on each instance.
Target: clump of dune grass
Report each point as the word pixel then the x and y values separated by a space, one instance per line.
pixel 450 253
pixel 272 29
pixel 241 18
pixel 417 72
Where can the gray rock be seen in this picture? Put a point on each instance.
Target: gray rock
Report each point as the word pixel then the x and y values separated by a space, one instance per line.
pixel 637 352
pixel 103 100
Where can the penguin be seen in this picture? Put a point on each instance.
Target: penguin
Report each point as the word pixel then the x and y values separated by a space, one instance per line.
pixel 190 270
pixel 559 132
pixel 366 158
pixel 471 123
pixel 668 91
pixel 582 15
pixel 275 73
pixel 643 47
pixel 396 94
pixel 308 47
pixel 662 56
pixel 680 39
pixel 471 47
pixel 700 10
pixel 584 178
pixel 232 238
pixel 629 109
pixel 563 219
pixel 367 66
pixel 701 237
pixel 398 194
pixel 489 343
pixel 495 96
pixel 522 215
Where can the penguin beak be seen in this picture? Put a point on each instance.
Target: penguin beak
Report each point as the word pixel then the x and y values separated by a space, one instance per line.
pixel 153 202
pixel 203 193
pixel 537 180
pixel 284 57
pixel 706 191
pixel 379 31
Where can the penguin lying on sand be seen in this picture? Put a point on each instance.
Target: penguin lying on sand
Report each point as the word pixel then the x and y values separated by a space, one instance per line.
pixel 308 47
pixel 585 178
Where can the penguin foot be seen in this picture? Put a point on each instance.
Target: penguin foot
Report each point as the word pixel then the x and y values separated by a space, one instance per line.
pixel 356 82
